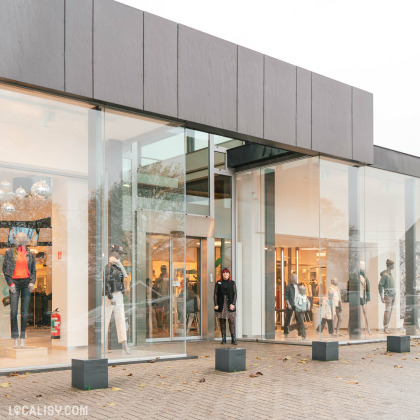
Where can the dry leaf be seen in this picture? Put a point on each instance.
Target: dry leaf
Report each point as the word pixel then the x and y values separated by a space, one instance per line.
pixel 259 374
pixel 13 374
pixel 270 366
pixel 228 396
pixel 202 380
pixel 195 371
pixel 286 358
pixel 39 395
pixel 7 396
pixel 142 385
pixel 258 358
pixel 115 388
pixel 252 375
pixel 303 361
pixel 352 382
pixel 129 374
pixel 151 361
pixel 108 405
pixel 398 367
pixel 185 383
pixel 203 356
pixel 5 384
pixel 298 355
pixel 306 369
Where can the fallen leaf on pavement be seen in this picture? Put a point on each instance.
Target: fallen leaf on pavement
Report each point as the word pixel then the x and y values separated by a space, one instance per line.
pixel 195 371
pixel 398 367
pixel 286 358
pixel 352 382
pixel 13 374
pixel 5 384
pixel 204 356
pixel 259 374
pixel 142 385
pixel 202 380
pixel 151 361
pixel 258 358
pixel 109 405
pixel 115 388
pixel 39 395
pixel 303 361
pixel 129 374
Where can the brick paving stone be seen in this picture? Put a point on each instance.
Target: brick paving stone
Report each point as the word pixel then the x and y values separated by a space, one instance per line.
pixel 363 383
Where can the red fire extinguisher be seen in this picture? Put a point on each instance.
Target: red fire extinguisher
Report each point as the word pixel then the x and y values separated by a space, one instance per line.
pixel 55 325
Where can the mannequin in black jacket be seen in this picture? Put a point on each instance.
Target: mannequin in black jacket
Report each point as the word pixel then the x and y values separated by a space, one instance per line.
pixel 290 296
pixel 225 304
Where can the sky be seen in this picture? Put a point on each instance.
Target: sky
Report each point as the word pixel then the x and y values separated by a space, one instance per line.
pixel 371 44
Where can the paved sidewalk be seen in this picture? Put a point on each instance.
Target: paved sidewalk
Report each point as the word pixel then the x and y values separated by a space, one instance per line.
pixel 365 383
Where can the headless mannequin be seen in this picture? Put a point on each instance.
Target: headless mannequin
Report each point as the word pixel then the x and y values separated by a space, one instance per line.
pixel 118 256
pixel 338 315
pixel 21 239
pixel 364 300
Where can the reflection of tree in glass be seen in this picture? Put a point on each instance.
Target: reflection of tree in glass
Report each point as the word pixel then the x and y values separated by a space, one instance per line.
pixel 333 220
pixel 162 181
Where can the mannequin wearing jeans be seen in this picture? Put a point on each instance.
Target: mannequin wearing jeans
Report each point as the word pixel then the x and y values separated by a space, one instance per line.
pixel 387 293
pixel 114 290
pixel 20 273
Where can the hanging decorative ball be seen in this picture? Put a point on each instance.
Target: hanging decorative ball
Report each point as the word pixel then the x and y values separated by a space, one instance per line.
pixel 5 184
pixel 7 208
pixel 41 189
pixel 20 192
pixel 1 193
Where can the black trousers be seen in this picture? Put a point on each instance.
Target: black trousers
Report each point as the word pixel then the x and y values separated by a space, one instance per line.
pixel 289 313
pixel 300 316
pixel 329 322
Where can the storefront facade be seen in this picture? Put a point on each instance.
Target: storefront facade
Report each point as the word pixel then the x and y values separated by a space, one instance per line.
pixel 193 154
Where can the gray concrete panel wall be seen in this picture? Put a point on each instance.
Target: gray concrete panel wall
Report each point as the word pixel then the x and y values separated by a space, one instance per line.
pixel 95 49
pixel 118 53
pixel 279 101
pixel 362 125
pixel 396 162
pixel 250 92
pixel 160 65
pixel 32 42
pixel 207 79
pixel 331 117
pixel 78 47
pixel 303 108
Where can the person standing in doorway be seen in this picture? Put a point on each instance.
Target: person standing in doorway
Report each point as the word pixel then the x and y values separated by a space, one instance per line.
pixel 225 304
pixel 387 293
pixel 290 296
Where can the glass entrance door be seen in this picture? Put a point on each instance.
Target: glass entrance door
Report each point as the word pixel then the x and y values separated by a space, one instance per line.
pixel 173 295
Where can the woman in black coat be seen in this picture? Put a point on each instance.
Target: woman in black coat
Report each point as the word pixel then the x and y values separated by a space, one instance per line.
pixel 225 304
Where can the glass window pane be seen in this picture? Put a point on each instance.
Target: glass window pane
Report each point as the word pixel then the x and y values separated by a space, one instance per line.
pixel 45 195
pixel 197 172
pixel 145 167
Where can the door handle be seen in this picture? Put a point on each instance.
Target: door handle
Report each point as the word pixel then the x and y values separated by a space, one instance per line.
pixel 211 278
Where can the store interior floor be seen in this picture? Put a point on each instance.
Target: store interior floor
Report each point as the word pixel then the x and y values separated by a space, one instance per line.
pixel 59 356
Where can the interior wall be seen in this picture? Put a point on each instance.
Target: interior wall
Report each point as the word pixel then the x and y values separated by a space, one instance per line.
pixel 70 259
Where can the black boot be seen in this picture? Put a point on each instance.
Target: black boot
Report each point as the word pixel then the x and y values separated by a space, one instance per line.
pixel 234 342
pixel 223 339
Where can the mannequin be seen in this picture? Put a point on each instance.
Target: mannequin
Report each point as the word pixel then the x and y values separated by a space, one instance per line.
pixel 114 290
pixel 337 302
pixel 364 293
pixel 290 297
pixel 387 293
pixel 20 273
